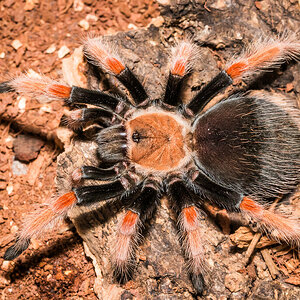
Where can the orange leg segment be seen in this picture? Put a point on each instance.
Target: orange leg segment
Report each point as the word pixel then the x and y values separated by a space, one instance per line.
pixel 279 226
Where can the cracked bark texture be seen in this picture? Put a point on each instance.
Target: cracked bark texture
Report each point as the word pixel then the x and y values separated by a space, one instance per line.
pixel 160 273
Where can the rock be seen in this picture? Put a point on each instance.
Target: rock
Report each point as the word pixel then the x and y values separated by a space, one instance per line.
pixel 27 147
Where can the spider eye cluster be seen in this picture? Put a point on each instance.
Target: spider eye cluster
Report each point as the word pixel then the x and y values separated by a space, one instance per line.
pixel 136 137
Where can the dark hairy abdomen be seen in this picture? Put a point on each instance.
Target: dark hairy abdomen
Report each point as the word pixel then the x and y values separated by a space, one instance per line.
pixel 250 145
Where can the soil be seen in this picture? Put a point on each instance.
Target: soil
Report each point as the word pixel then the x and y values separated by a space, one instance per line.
pixel 58 266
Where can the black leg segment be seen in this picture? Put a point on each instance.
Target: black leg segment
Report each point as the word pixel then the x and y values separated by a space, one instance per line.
pixel 215 86
pixel 84 96
pixel 173 89
pixel 94 173
pixel 13 252
pixel 91 115
pixel 5 87
pixel 223 197
pixel 133 85
pixel 96 193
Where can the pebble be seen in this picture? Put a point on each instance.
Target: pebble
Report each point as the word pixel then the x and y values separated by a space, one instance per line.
pixel 132 26
pixel 21 104
pixel 2 55
pixel 68 272
pixel 234 281
pixel 6 265
pixel 84 24
pixel 63 51
pixel 4 280
pixel 51 49
pixel 48 267
pixel 158 22
pixel 91 17
pixel 16 44
pixel 14 229
pixel 9 189
pixel 78 5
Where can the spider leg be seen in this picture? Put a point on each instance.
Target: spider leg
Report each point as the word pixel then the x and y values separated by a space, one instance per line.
pixel 222 197
pixel 94 173
pixel 191 234
pixel 45 88
pixel 57 209
pixel 39 222
pixel 96 193
pixel 183 58
pixel 140 206
pixel 5 87
pixel 81 117
pixel 261 56
pixel 100 55
pixel 277 225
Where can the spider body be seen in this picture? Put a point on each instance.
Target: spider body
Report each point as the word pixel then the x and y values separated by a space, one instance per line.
pixel 243 150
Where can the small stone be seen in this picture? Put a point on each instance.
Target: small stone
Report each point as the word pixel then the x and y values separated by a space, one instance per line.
pixel 59 276
pixel 91 17
pixel 51 49
pixel 29 5
pixel 132 27
pixel 14 229
pixel 35 244
pixel 289 87
pixel 84 24
pixel 2 55
pixel 16 44
pixel 19 168
pixel 42 264
pixel 68 272
pixel 48 267
pixel 6 265
pixel 158 22
pixel 164 2
pixel 9 142
pixel 22 104
pixel 4 280
pixel 234 281
pixel 63 51
pixel 9 189
pixel 78 5
pixel 27 147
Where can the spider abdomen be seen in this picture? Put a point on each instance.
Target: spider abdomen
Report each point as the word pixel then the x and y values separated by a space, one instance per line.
pixel 157 140
pixel 249 145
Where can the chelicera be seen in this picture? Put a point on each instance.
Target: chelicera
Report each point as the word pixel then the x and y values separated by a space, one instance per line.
pixel 240 152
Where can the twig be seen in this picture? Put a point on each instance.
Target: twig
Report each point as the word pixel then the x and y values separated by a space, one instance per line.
pixel 251 247
pixel 270 263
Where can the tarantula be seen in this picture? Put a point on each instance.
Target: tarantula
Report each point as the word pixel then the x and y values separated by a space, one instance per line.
pixel 241 151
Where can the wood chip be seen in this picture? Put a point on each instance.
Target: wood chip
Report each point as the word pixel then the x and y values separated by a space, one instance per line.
pixel 295 280
pixel 270 263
